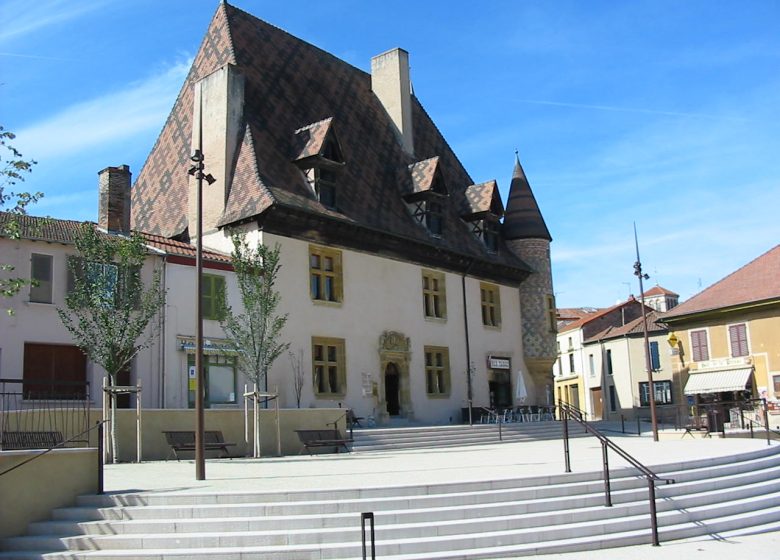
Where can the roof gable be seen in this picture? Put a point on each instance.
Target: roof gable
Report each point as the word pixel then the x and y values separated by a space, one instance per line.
pixel 483 198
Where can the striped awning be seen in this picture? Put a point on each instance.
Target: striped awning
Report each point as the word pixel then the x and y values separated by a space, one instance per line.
pixel 718 381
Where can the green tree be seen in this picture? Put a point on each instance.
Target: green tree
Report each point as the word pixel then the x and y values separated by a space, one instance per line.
pixel 108 310
pixel 13 169
pixel 255 332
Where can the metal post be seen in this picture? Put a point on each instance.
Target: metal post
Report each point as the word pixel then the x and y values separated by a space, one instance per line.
pixel 622 423
pixel 197 157
pixel 766 421
pixel 751 429
pixel 653 516
pixel 499 420
pixel 648 364
pixel 742 417
pixel 138 435
pixel 566 458
pixel 100 456
pixel 605 460
pixel 363 517
pixel 638 426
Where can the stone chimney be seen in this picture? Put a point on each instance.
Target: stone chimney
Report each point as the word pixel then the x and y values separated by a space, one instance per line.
pixel 219 109
pixel 114 202
pixel 391 84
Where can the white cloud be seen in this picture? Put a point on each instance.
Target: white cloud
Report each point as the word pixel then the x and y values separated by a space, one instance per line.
pixel 22 17
pixel 104 120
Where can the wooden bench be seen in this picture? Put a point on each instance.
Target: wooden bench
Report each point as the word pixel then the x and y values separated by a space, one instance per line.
pixel 321 438
pixel 30 440
pixel 182 440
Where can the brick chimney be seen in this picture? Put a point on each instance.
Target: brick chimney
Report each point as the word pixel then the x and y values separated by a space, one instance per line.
pixel 114 199
pixel 390 82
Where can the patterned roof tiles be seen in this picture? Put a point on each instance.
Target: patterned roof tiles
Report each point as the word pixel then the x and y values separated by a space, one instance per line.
pixel 482 198
pixel 289 82
pixel 310 139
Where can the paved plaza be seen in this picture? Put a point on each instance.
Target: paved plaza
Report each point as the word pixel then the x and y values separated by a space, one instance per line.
pixel 430 466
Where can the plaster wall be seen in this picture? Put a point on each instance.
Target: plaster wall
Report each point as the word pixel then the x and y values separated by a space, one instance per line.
pixel 30 492
pixel 379 295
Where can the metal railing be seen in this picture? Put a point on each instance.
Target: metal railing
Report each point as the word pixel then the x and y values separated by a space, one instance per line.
pixel 44 406
pixel 568 412
pixel 98 426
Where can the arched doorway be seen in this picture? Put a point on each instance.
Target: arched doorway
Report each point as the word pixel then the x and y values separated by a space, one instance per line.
pixel 394 397
pixel 393 389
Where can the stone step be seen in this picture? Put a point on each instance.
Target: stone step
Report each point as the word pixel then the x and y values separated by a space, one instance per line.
pixel 389 528
pixel 493 544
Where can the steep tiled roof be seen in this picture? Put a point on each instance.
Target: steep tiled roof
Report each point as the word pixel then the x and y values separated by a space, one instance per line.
pixel 290 84
pixel 631 328
pixel 421 175
pixel 757 281
pixel 523 218
pixel 65 232
pixel 659 291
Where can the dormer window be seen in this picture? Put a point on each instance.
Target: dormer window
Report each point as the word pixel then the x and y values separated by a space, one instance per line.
pixel 325 188
pixel 425 195
pixel 483 210
pixel 319 156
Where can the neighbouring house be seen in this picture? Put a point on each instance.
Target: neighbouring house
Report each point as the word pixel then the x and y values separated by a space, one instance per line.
pixel 727 337
pixel 617 365
pixel 410 287
pixel 36 348
pixel 577 372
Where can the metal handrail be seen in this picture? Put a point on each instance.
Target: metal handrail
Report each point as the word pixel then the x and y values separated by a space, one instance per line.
pixel 606 444
pixel 98 426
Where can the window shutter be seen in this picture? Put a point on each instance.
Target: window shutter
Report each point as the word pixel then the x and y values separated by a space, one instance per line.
pixel 655 359
pixel 738 340
pixel 699 346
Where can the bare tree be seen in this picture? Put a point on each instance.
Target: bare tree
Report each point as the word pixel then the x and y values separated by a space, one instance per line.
pixel 296 362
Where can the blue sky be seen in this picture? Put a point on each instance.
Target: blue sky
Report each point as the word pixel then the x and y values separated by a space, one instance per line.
pixel 665 113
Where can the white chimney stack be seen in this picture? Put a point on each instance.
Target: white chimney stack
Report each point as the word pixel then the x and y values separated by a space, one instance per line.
pixel 391 84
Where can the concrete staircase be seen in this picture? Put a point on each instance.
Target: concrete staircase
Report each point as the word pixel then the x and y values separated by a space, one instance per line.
pixel 474 520
pixel 395 439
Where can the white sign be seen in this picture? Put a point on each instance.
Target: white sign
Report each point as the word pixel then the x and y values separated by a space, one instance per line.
pixel 192 372
pixel 499 363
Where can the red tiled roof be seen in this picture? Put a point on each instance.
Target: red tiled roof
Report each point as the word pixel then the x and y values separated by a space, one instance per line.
pixel 759 280
pixel 584 320
pixel 290 84
pixel 631 328
pixel 65 232
pixel 659 291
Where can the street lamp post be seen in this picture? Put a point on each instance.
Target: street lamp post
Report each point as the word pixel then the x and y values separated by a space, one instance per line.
pixel 648 364
pixel 196 170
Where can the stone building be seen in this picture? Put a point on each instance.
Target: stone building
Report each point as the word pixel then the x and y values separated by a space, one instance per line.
pixel 410 291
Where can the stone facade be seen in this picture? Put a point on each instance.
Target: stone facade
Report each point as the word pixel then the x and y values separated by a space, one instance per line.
pixel 537 304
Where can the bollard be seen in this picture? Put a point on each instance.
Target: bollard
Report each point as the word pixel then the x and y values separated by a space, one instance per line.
pixel 638 426
pixel 100 456
pixel 500 435
pixel 363 517
pixel 622 423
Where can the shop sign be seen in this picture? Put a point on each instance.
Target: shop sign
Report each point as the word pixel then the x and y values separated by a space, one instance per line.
pixel 498 363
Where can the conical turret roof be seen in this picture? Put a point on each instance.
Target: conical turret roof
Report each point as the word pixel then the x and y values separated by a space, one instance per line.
pixel 523 219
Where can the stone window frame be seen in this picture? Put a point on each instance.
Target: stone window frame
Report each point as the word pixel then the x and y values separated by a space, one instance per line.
pixel 434 292
pixel 490 302
pixel 437 371
pixel 323 362
pixel 320 276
